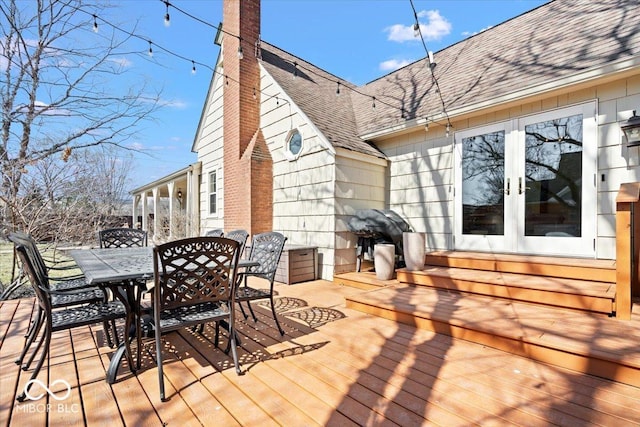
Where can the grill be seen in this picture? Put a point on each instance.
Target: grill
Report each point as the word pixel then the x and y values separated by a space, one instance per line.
pixel 374 226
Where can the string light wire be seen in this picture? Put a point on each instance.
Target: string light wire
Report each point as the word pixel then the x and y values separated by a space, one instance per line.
pixel 296 66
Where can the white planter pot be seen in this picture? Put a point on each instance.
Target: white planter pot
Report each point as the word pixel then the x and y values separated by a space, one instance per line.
pixel 384 260
pixel 413 247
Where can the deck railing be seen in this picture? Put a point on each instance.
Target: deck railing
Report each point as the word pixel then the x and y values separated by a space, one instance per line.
pixel 627 248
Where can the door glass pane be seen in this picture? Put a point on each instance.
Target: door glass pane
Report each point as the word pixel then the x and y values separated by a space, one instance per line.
pixel 483 184
pixel 553 182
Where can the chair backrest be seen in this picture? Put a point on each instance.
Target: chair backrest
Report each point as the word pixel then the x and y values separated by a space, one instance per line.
pixel 241 237
pixel 122 238
pixel 215 233
pixel 193 271
pixel 37 278
pixel 30 245
pixel 266 248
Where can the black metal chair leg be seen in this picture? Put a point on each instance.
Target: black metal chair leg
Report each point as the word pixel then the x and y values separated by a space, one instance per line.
pixel 159 363
pixel 34 330
pixel 26 365
pixel 36 371
pixel 255 319
pixel 273 310
pixel 242 310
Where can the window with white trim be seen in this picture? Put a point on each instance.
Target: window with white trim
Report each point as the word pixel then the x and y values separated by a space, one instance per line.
pixel 293 144
pixel 213 192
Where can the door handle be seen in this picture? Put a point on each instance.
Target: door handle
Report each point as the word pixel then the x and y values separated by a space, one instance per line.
pixel 521 189
pixel 507 190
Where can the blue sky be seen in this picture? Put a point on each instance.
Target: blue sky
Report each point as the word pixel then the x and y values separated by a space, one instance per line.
pixel 354 39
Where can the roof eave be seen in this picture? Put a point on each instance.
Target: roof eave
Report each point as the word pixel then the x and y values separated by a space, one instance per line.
pixel 611 71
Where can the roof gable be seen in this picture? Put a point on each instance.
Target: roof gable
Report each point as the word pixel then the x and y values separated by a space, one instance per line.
pixel 314 92
pixel 554 41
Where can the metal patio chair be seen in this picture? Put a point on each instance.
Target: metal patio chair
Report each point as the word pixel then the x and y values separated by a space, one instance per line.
pixel 194 280
pixel 266 249
pixel 69 291
pixel 61 319
pixel 122 238
pixel 217 232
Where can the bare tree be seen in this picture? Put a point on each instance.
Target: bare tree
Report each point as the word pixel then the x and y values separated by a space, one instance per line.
pixel 62 92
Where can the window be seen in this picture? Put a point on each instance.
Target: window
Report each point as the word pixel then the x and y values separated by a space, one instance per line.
pixel 293 145
pixel 213 192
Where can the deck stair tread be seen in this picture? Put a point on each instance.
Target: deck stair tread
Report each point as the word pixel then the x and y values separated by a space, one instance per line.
pixel 551 284
pixel 576 332
pixel 567 267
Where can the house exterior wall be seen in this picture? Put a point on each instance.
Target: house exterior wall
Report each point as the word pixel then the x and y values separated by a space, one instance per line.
pixel 303 186
pixel 421 178
pixel 360 183
pixel 209 147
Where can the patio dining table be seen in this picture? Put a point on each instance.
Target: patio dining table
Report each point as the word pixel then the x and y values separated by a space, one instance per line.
pixel 120 269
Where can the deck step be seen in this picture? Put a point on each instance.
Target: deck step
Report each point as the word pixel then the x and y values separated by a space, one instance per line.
pixel 564 267
pixel 574 294
pixel 573 340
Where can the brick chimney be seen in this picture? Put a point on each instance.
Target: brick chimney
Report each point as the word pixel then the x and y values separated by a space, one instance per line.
pixel 248 167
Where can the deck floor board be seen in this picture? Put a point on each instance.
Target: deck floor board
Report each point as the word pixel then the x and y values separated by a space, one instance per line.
pixel 355 370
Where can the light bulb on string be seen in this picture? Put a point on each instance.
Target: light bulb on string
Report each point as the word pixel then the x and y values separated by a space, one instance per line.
pixel 240 52
pixel 150 50
pixel 95 24
pixel 295 70
pixel 373 103
pixel 447 130
pixel 338 89
pixel 426 124
pixel 416 30
pixel 193 67
pixel 255 95
pixel 167 18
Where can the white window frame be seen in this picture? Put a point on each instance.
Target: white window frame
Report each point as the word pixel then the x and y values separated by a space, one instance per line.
pixel 215 193
pixel 287 152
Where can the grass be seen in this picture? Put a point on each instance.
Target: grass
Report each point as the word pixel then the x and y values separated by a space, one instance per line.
pixel 48 253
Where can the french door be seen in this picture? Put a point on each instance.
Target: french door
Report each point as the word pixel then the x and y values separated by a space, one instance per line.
pixel 528 185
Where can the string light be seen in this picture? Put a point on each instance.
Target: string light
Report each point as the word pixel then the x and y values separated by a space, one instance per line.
pixel 416 27
pixel 95 23
pixel 448 130
pixel 255 95
pixel 150 50
pixel 167 18
pixel 416 30
pixel 426 124
pixel 240 55
pixel 226 80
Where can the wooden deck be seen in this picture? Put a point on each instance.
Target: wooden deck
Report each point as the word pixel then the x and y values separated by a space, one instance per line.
pixel 335 366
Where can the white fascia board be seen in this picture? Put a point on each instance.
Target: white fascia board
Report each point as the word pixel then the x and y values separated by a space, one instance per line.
pixel 361 157
pixel 610 71
pixel 284 95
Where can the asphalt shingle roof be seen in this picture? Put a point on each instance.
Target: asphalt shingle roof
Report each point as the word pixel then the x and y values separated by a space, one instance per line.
pixel 554 41
pixel 314 91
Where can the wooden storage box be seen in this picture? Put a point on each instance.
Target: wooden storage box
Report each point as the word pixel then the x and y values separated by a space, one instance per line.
pixel 297 264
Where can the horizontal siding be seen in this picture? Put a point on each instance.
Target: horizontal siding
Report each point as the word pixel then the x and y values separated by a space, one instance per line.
pixel 421 175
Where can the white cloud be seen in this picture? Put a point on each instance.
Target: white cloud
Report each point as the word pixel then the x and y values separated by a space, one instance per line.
pixel 123 62
pixel 173 103
pixel 394 64
pixel 436 28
